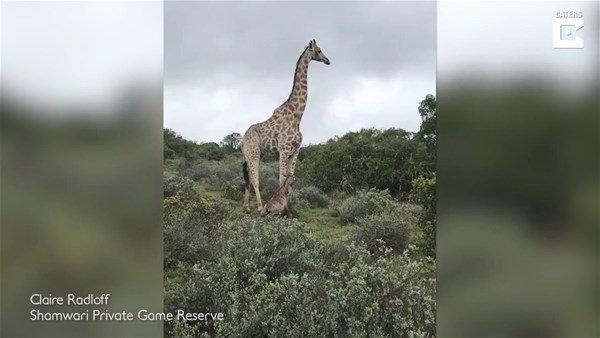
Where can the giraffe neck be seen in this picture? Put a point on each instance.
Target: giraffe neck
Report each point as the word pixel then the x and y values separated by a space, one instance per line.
pixel 299 92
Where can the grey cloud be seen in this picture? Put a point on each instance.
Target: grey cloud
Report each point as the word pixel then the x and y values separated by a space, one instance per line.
pixel 251 48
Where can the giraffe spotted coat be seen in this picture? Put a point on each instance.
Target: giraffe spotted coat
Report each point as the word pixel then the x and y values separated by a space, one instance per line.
pixel 280 133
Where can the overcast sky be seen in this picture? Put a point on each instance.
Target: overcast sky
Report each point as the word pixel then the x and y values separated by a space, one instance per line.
pixel 229 65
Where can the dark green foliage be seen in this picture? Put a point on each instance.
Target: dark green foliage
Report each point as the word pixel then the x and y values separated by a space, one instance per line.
pixel 176 146
pixel 428 130
pixel 383 159
pixel 388 159
pixel 232 143
pixel 209 151
pixel 424 190
pixel 387 230
pixel 365 203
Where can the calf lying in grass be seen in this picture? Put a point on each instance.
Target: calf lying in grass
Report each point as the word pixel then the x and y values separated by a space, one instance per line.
pixel 278 204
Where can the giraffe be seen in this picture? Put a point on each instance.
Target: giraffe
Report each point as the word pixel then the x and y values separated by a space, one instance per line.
pixel 278 204
pixel 280 133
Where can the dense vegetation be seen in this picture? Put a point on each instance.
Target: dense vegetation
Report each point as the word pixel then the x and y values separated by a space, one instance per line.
pixel 355 258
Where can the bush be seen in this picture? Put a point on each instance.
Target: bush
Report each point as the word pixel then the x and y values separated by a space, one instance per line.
pixel 223 172
pixel 174 183
pixel 175 145
pixel 368 296
pixel 190 227
pixel 269 180
pixel 314 196
pixel 271 278
pixel 365 203
pixel 256 261
pixel 297 204
pixel 198 171
pixel 387 230
pixel 227 176
pixel 234 189
pixel 383 159
pixel 424 190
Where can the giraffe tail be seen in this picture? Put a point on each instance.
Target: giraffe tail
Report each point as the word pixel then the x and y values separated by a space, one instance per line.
pixel 246 175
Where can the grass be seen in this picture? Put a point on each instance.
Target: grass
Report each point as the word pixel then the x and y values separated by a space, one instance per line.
pixel 326 225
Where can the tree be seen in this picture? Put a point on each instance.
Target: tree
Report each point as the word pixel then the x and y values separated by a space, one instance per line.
pixel 175 145
pixel 210 151
pixel 428 130
pixel 383 159
pixel 232 143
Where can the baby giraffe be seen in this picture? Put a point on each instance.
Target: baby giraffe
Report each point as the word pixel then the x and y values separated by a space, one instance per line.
pixel 278 204
pixel 280 134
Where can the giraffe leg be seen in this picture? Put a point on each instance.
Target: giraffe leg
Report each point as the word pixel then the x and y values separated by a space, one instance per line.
pixel 284 163
pixel 253 173
pixel 247 186
pixel 247 197
pixel 291 169
pixel 287 164
pixel 251 150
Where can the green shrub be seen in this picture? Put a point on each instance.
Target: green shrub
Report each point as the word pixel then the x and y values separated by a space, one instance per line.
pixel 168 153
pixel 370 296
pixel 386 230
pixel 383 159
pixel 339 195
pixel 222 172
pixel 269 179
pixel 191 295
pixel 365 203
pixel 209 151
pixel 199 170
pixel 271 278
pixel 314 196
pixel 424 190
pixel 190 228
pixel 175 145
pixel 227 176
pixel 297 204
pixel 173 183
pixel 233 189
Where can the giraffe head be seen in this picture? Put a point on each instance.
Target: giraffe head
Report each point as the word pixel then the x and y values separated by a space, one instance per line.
pixel 316 52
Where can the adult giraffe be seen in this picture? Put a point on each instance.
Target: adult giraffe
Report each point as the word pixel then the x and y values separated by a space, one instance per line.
pixel 281 132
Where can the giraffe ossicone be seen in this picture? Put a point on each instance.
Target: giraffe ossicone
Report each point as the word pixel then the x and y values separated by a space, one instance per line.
pixel 280 133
